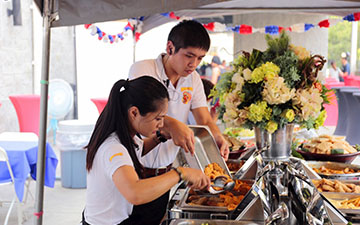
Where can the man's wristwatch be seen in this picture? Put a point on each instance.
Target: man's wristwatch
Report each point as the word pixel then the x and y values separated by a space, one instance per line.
pixel 160 137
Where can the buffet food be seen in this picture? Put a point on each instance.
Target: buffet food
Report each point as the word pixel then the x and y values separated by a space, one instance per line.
pixel 325 185
pixel 326 144
pixel 234 165
pixel 214 170
pixel 328 171
pixel 347 203
pixel 234 143
pixel 227 199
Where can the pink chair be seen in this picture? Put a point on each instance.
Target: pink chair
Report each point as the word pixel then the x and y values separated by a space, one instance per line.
pixel 27 108
pixel 100 103
pixel 332 108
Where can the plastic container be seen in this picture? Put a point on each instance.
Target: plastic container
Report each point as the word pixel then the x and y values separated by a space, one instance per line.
pixel 72 137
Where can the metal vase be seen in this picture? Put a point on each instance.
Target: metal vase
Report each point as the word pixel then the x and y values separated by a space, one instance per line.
pixel 279 142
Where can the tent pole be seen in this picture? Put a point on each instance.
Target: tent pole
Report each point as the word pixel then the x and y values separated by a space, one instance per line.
pixel 40 166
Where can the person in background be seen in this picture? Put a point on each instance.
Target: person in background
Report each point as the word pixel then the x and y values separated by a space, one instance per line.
pixel 334 71
pixel 187 44
pixel 215 69
pixel 115 181
pixel 345 68
pixel 208 85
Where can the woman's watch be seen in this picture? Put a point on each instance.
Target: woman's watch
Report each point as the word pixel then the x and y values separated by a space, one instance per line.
pixel 160 137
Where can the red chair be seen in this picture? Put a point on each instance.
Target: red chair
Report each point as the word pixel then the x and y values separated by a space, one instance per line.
pixel 27 108
pixel 100 103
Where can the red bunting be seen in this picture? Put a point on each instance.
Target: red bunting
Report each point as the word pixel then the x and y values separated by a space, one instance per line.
pixel 210 26
pixel 324 23
pixel 172 15
pixel 87 26
pixel 357 16
pixel 245 29
pixel 284 28
pixel 137 36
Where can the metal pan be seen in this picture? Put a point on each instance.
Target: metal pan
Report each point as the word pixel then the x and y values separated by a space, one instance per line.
pixel 209 222
pixel 206 150
pixel 341 197
pixel 184 206
pixel 337 166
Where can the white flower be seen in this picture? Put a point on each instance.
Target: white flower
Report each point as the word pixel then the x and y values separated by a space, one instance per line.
pixel 247 74
pixel 276 92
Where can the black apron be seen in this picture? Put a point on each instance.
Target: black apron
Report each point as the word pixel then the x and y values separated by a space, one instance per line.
pixel 146 214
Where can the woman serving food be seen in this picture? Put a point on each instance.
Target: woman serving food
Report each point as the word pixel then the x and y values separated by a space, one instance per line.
pixel 114 183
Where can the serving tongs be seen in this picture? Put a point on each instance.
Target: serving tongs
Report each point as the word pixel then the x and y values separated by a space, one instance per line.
pixel 221 182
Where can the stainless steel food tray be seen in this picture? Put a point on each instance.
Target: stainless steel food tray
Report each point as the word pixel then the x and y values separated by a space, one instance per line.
pixel 210 222
pixel 186 207
pixel 206 150
pixel 343 196
pixel 336 165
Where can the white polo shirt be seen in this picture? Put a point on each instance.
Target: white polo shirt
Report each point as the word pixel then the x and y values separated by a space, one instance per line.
pixel 105 205
pixel 188 94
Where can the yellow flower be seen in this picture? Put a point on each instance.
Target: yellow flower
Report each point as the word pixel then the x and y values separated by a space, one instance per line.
pixel 271 126
pixel 257 76
pixel 270 69
pixel 259 111
pixel 289 114
pixel 320 120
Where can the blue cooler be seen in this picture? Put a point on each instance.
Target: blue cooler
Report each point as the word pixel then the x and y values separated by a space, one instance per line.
pixel 71 137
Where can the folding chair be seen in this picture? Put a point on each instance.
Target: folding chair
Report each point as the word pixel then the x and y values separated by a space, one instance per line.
pixel 4 158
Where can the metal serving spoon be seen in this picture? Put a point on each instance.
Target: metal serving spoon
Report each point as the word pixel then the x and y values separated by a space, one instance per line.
pixel 220 182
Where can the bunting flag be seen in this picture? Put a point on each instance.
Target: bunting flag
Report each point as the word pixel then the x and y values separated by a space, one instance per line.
pixel 273 29
pixel 135 26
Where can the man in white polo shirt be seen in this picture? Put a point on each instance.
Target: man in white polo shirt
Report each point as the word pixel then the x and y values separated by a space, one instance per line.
pixel 187 44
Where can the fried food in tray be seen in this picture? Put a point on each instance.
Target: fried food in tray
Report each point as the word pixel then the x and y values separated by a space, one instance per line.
pixel 325 185
pixel 234 143
pixel 228 199
pixel 327 144
pixel 328 171
pixel 234 165
pixel 353 203
pixel 214 170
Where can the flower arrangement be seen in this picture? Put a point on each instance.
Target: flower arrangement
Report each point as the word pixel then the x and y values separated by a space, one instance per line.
pixel 273 88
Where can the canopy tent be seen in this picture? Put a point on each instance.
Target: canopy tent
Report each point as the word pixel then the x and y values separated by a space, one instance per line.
pixel 68 12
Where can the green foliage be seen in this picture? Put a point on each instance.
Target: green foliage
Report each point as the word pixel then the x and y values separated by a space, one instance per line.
pixel 288 67
pixel 339 41
pixel 276 46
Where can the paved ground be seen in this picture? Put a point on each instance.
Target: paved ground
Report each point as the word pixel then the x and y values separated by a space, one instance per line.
pixel 61 205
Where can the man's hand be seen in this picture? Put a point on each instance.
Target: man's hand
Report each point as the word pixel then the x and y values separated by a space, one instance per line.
pixel 223 146
pixel 180 133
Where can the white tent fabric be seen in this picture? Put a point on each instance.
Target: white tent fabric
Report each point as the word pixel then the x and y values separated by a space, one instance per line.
pixel 90 11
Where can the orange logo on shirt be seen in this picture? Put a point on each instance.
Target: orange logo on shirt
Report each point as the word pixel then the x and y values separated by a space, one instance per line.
pixel 186 89
pixel 186 97
pixel 117 154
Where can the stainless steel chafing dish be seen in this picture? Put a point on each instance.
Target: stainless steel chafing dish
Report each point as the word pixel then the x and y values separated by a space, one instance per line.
pixel 337 166
pixel 211 222
pixel 184 210
pixel 206 150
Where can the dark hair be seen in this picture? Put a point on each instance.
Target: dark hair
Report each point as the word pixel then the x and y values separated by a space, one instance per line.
pixel 208 85
pixel 143 92
pixel 189 33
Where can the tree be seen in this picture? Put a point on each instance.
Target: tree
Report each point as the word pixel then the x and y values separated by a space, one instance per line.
pixel 339 41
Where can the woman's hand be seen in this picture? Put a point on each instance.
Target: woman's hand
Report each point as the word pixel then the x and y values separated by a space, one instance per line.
pixel 196 178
